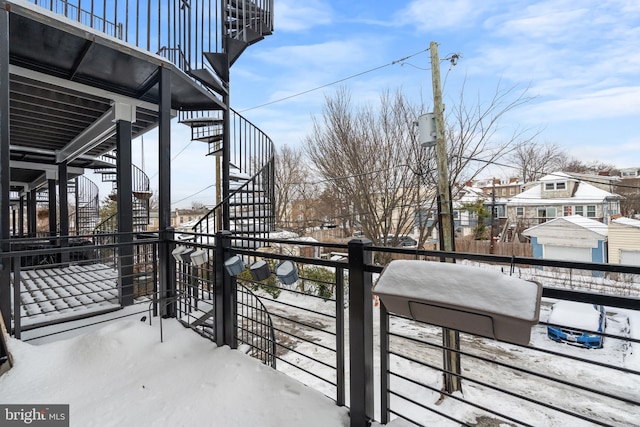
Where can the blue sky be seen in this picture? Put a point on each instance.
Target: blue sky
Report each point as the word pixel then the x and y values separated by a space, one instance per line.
pixel 579 59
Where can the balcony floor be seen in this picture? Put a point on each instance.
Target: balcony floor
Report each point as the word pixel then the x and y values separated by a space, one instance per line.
pixel 53 295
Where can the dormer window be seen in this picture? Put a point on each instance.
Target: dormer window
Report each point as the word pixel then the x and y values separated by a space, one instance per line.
pixel 551 186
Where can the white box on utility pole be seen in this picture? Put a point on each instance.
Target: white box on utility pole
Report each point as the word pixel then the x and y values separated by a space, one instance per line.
pixel 427 129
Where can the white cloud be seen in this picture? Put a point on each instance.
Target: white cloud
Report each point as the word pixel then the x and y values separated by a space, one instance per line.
pixel 330 54
pixel 431 15
pixel 614 102
pixel 294 15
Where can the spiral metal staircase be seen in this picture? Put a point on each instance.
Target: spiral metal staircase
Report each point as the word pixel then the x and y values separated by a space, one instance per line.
pixel 141 194
pixel 244 154
pixel 86 200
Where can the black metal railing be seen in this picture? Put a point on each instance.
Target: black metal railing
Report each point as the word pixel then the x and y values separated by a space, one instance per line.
pixel 54 283
pixel 86 205
pixel 251 195
pixel 303 327
pixel 184 30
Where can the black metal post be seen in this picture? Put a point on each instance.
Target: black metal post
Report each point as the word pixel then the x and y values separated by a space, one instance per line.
pixel 17 321
pixel 154 257
pixel 32 213
pixel 77 213
pixel 224 293
pixel 53 209
pixel 63 180
pixel 166 264
pixel 340 360
pixel 360 333
pixel 124 182
pixel 21 216
pixel 384 364
pixel 5 179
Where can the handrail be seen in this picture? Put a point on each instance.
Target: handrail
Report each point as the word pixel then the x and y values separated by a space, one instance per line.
pixel 192 28
pixel 252 152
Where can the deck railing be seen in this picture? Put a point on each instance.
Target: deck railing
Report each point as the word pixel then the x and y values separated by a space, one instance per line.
pixel 301 329
pixel 182 29
pixel 54 284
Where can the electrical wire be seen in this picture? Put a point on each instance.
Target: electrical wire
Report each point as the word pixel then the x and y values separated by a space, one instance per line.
pixel 397 61
pixel 194 194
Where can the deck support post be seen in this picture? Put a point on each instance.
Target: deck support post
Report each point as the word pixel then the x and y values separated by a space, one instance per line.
pixel 225 293
pixel 124 182
pixel 360 334
pixel 53 207
pixel 5 263
pixel 166 263
pixel 32 224
pixel 63 179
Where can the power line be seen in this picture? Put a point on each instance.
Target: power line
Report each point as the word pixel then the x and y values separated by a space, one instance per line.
pixel 397 61
pixel 194 194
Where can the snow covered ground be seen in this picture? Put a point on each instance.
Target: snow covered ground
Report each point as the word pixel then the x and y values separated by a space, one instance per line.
pixel 121 374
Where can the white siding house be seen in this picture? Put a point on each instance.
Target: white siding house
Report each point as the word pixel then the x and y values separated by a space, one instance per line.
pixel 624 241
pixel 570 238
pixel 560 195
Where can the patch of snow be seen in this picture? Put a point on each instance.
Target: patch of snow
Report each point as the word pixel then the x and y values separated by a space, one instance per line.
pixel 575 315
pixel 122 375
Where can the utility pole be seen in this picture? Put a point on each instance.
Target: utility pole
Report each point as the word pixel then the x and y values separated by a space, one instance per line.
pixel 450 338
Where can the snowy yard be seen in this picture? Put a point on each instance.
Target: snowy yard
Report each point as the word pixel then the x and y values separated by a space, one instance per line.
pixel 122 375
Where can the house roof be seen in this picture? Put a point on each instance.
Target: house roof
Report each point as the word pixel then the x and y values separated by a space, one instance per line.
pixel 573 220
pixel 585 193
pixel 557 176
pixel 627 221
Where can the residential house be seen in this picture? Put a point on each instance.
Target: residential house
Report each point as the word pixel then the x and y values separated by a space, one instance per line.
pixel 559 195
pixel 569 238
pixel 182 219
pixel 624 241
pixel 629 188
pixel 501 188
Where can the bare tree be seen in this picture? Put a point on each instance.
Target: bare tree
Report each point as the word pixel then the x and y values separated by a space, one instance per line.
pixel 475 140
pixel 374 156
pixel 534 160
pixel 571 164
pixel 291 173
pixel 365 153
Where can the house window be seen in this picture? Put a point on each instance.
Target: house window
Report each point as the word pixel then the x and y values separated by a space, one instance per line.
pixel 566 210
pixel 591 211
pixel 504 191
pixel 519 211
pixel 512 191
pixel 550 186
pixel 578 210
pixel 547 212
pixel 300 217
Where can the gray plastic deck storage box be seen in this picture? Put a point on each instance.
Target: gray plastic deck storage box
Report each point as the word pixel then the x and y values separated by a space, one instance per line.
pixel 234 265
pixel 469 299
pixel 287 272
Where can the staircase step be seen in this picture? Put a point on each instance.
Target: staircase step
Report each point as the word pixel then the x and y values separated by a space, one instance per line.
pixel 204 76
pixel 198 122
pixel 216 153
pixel 208 138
